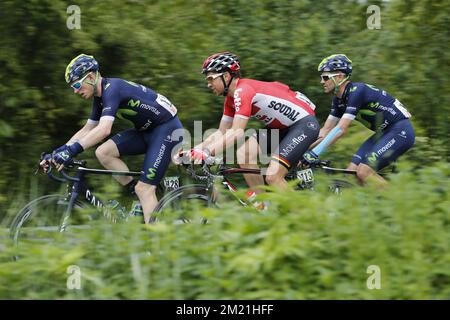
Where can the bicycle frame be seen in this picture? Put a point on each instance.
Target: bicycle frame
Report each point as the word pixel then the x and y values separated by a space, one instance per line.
pixel 224 171
pixel 77 187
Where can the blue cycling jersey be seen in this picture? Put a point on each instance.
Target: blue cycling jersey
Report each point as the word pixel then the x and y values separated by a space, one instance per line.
pixel 373 107
pixel 142 106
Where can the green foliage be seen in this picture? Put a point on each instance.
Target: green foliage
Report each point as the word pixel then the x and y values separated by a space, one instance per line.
pixel 308 245
pixel 163 43
pixel 321 252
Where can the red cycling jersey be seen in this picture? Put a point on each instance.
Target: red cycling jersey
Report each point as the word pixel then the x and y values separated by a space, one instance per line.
pixel 271 102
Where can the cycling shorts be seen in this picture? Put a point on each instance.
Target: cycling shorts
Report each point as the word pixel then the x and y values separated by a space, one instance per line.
pixel 156 143
pixel 385 147
pixel 294 141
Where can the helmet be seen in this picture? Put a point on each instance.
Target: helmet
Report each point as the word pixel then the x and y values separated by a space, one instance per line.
pixel 79 66
pixel 336 62
pixel 220 62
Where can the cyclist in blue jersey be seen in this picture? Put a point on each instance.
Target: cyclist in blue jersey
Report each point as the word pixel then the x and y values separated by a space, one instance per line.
pixel 157 129
pixel 374 108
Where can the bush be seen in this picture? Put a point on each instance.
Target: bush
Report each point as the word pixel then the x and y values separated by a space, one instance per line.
pixel 308 245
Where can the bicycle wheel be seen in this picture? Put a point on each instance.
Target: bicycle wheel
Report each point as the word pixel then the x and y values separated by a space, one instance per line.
pixel 41 219
pixel 337 186
pixel 184 202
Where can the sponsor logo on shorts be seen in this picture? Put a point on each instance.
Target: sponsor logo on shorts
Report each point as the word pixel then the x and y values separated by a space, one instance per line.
pixel 373 157
pixel 402 134
pixel 152 171
pixel 291 146
pixel 386 147
pixel 312 125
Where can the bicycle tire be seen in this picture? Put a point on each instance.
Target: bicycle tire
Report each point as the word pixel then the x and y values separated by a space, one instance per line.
pixel 40 219
pixel 182 199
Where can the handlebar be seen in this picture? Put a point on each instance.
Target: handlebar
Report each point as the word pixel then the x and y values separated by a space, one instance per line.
pixel 205 167
pixel 66 177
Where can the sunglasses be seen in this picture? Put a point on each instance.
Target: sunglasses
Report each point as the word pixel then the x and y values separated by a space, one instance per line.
pixel 77 84
pixel 328 76
pixel 213 77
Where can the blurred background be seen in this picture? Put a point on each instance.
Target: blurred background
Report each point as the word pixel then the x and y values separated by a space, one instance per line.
pixel 162 44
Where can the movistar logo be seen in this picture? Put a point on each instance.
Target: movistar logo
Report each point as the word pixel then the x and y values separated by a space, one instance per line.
pixel 133 103
pixel 65 155
pixel 354 88
pixel 107 85
pixel 151 173
pixel 373 157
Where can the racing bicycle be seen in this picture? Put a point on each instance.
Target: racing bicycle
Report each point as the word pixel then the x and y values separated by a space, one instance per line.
pixel 205 193
pixel 43 217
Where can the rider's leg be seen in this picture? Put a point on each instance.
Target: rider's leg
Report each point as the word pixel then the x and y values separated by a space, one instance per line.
pixel 275 175
pixel 385 148
pixel 293 145
pixel 159 141
pixel 109 157
pixel 354 167
pixel 247 156
pixel 369 176
pixel 147 197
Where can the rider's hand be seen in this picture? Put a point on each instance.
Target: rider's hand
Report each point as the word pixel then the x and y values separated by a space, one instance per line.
pixel 199 155
pixel 45 162
pixel 310 157
pixel 178 157
pixel 65 154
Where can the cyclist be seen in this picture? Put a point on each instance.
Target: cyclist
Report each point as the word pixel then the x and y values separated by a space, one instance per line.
pixel 154 118
pixel 274 103
pixel 374 108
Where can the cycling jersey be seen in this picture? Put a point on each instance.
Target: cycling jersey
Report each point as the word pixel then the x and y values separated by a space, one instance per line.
pixel 373 107
pixel 142 106
pixel 271 102
pixel 382 113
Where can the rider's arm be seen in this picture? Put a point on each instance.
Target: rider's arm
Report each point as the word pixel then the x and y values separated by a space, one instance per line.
pixel 355 99
pixel 335 134
pixel 97 134
pixel 330 123
pixel 230 136
pixel 82 132
pixel 225 124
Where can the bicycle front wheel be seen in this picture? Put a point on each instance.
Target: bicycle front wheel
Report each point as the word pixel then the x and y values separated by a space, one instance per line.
pixel 184 202
pixel 41 220
pixel 337 186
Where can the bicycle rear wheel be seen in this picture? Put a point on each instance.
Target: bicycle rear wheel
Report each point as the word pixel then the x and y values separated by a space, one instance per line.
pixel 41 220
pixel 183 203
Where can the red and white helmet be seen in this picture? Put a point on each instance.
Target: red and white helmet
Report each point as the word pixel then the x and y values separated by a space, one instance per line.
pixel 221 62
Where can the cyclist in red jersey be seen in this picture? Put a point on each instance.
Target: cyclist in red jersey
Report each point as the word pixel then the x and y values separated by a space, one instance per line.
pixel 280 108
